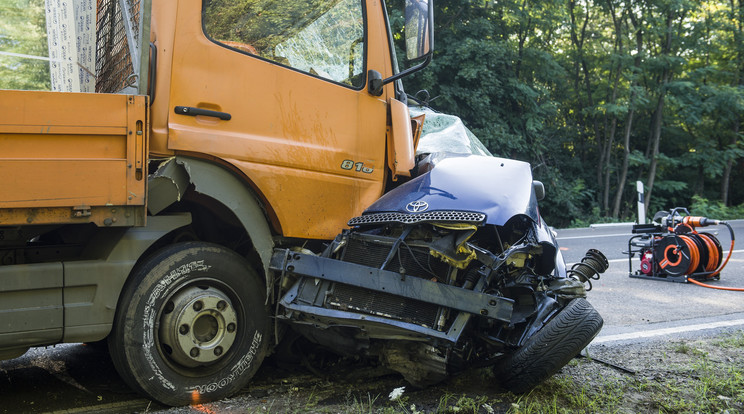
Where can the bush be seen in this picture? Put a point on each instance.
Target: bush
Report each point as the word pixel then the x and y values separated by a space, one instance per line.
pixel 715 210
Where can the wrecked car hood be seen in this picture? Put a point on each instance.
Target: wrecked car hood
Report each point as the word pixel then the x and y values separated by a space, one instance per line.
pixel 498 187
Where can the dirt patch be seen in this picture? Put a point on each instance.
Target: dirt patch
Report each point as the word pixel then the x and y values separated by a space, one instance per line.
pixel 679 376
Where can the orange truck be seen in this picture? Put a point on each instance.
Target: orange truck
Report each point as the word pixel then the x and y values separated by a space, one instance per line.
pixel 189 210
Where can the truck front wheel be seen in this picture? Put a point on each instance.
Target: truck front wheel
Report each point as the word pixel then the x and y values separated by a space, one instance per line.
pixel 192 325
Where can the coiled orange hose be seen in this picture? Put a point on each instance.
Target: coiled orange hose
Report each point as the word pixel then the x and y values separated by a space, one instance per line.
pixel 731 249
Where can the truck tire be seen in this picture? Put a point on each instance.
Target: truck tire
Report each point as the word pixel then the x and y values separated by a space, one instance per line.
pixel 192 325
pixel 561 339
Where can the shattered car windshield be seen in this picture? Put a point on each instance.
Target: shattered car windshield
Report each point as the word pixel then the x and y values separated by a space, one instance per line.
pixel 446 133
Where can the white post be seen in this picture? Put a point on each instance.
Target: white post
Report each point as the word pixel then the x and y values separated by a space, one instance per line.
pixel 85 26
pixel 71 40
pixel 60 22
pixel 641 203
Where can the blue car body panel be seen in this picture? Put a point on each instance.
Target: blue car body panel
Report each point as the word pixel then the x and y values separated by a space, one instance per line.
pixel 498 187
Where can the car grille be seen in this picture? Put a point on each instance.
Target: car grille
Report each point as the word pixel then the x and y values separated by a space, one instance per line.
pixel 404 218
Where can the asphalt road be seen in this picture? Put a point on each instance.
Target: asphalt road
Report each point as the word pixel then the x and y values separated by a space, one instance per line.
pixel 77 378
pixel 636 308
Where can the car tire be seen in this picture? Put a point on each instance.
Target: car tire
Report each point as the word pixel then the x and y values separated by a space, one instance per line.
pixel 547 351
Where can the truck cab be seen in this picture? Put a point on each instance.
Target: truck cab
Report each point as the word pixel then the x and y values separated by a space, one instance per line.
pixel 279 94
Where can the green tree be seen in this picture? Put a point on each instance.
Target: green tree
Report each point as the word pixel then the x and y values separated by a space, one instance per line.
pixel 594 92
pixel 23 33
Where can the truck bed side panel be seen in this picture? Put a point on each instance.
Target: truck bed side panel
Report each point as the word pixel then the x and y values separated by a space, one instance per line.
pixel 72 158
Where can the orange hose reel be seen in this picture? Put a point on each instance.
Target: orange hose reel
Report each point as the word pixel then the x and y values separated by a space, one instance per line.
pixel 675 251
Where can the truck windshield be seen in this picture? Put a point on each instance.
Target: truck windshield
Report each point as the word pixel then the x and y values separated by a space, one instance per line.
pixel 324 38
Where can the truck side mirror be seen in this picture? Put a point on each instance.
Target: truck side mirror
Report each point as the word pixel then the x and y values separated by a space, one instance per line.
pixel 419 28
pixel 419 31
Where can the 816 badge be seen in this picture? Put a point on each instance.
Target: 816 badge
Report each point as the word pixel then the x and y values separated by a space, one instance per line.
pixel 358 166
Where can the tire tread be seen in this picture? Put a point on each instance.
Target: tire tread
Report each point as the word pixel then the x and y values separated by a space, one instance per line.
pixel 551 348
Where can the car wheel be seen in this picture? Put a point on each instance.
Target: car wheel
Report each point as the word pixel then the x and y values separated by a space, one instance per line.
pixel 547 351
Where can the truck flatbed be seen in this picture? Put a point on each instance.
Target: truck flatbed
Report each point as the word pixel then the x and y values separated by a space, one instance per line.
pixel 72 158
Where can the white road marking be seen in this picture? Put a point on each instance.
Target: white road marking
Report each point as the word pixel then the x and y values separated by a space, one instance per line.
pixel 666 331
pixel 595 236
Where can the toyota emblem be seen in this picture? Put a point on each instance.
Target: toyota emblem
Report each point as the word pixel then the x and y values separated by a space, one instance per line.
pixel 417 206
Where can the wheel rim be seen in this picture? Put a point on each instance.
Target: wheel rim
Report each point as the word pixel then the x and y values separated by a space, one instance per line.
pixel 198 326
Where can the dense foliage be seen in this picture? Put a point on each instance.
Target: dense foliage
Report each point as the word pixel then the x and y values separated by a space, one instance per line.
pixel 597 94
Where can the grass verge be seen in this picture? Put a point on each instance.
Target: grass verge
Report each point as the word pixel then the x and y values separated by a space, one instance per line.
pixel 704 375
pixel 699 376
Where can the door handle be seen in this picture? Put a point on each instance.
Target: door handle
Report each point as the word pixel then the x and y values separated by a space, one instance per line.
pixel 191 111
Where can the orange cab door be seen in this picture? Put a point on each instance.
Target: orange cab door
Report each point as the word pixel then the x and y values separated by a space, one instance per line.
pixel 278 90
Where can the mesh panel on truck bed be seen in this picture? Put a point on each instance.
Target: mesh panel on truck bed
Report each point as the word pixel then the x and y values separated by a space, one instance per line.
pixel 118 44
